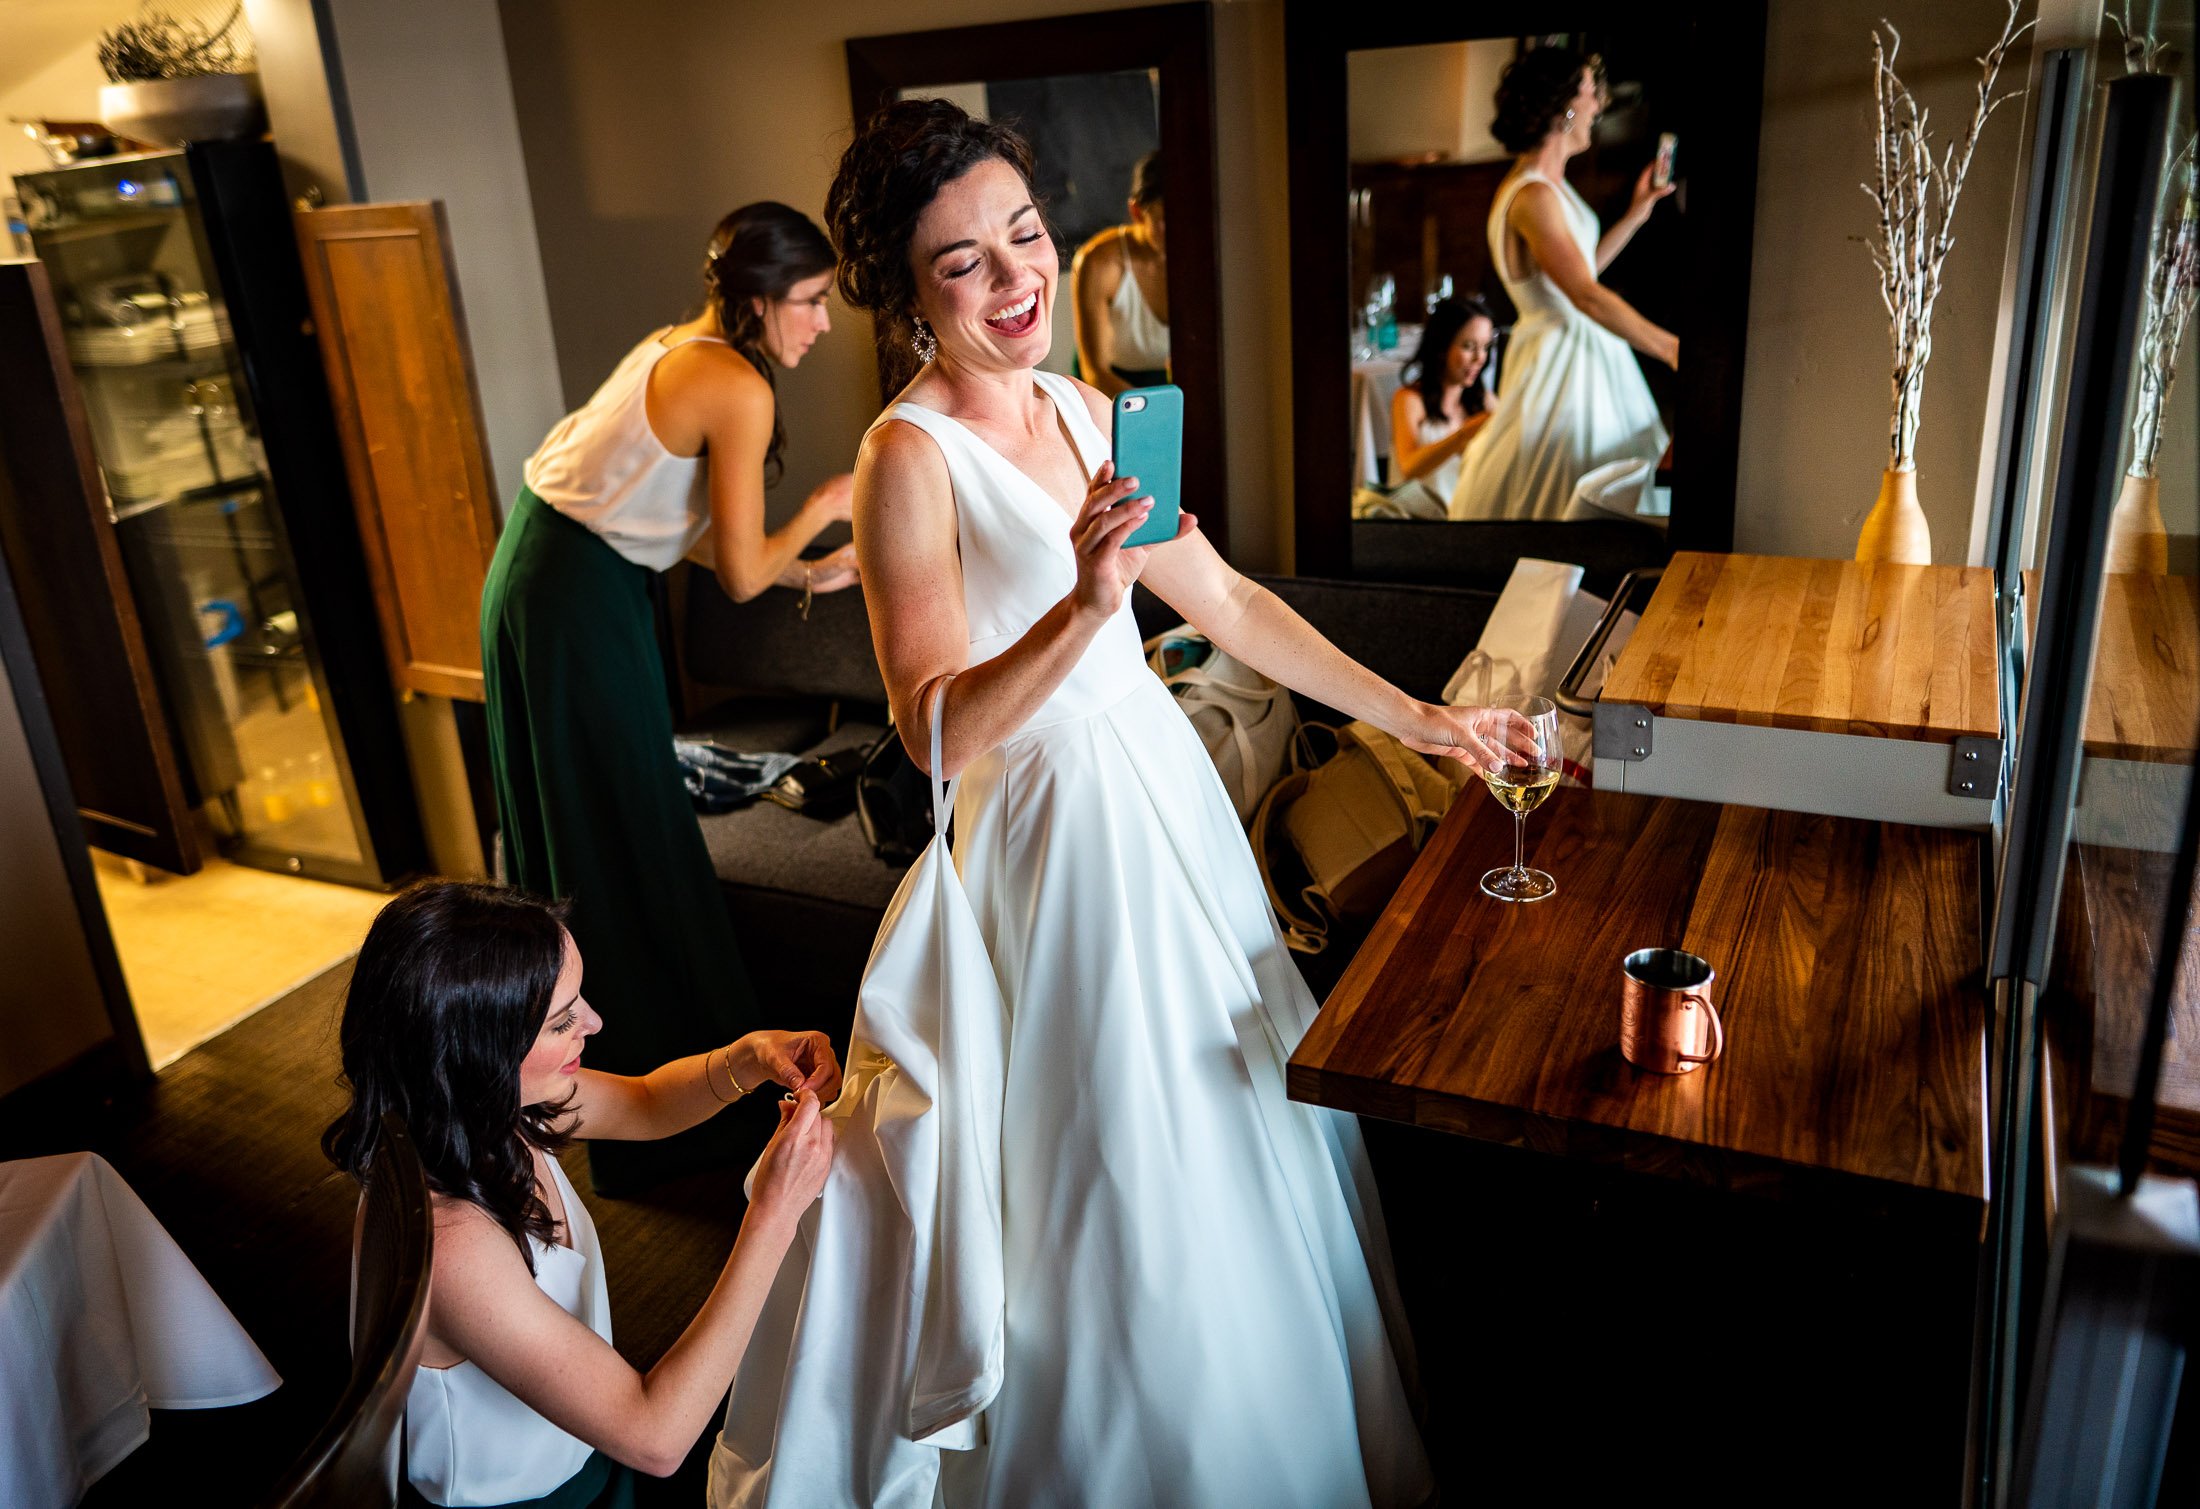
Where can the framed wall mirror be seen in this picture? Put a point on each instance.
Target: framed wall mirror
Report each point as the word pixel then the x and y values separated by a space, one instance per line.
pixel 1408 153
pixel 1119 110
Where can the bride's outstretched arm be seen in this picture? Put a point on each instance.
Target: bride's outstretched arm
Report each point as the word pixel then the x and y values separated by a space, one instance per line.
pixel 912 573
pixel 1542 224
pixel 1253 624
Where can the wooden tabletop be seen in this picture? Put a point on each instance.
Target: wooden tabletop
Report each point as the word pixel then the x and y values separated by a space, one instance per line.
pixel 1849 979
pixel 2109 930
pixel 2145 702
pixel 1896 652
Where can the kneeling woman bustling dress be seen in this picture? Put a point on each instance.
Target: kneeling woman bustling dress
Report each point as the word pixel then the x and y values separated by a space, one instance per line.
pixel 1196 1302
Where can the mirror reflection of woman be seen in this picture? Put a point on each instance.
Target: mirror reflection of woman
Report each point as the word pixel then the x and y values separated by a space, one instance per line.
pixel 672 454
pixel 1572 397
pixel 1445 401
pixel 1119 286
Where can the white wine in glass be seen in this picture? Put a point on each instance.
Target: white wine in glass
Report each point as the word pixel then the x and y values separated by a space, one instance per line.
pixel 1521 788
pixel 1529 774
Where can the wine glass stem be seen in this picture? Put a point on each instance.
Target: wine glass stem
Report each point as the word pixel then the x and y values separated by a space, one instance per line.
pixel 1520 828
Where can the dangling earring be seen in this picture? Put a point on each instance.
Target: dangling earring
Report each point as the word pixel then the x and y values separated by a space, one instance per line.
pixel 1569 117
pixel 923 341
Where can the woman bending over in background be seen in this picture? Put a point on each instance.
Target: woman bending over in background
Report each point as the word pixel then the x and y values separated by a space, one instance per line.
pixel 675 449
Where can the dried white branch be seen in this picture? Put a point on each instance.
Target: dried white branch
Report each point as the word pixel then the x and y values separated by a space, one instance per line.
pixel 2173 288
pixel 1916 191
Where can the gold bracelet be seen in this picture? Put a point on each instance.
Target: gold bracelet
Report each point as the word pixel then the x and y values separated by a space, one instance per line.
pixel 727 1069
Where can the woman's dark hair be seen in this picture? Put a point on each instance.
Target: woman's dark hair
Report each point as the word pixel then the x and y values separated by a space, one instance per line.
pixel 449 991
pixel 761 251
pixel 1427 369
pixel 1146 180
pixel 899 161
pixel 1534 92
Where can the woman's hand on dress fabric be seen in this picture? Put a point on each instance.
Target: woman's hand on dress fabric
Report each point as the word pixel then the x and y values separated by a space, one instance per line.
pixel 794 1164
pixel 801 1061
pixel 1647 194
pixel 1483 738
pixel 1105 569
pixel 830 573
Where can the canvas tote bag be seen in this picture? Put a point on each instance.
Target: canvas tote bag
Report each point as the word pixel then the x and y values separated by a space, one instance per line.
pixel 1348 827
pixel 1245 720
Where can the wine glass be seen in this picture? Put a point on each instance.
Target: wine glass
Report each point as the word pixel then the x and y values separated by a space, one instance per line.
pixel 1530 755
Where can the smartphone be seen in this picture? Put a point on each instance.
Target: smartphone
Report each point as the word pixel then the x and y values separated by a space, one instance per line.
pixel 1149 445
pixel 1663 174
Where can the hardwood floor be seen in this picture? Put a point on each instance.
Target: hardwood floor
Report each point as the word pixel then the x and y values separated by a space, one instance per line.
pixel 225 1149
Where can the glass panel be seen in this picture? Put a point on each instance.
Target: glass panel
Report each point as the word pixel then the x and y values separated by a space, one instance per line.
pixel 194 510
pixel 2143 707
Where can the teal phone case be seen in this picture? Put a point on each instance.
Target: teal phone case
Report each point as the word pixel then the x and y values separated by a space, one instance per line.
pixel 1149 445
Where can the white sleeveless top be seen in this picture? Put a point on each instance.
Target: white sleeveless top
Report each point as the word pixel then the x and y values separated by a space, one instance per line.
pixel 603 466
pixel 1141 339
pixel 1534 295
pixel 1441 481
pixel 467 1440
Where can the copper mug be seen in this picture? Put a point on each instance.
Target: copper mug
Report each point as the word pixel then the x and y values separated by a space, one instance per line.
pixel 1665 1012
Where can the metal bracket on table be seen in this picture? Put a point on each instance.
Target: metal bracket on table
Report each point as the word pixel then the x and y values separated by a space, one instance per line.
pixel 1974 767
pixel 1621 731
pixel 1568 696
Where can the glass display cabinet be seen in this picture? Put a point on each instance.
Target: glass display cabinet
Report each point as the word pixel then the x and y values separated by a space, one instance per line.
pixel 176 282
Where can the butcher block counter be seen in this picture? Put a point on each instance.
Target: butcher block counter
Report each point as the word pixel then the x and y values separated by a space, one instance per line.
pixel 1840 687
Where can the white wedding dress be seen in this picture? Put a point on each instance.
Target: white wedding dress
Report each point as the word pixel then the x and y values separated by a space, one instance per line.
pixel 1570 399
pixel 1088 1251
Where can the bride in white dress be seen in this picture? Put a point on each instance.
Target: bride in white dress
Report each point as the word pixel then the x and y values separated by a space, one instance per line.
pixel 1192 1303
pixel 1571 398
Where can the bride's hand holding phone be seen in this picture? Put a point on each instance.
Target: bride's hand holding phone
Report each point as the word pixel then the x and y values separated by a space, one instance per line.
pixel 1111 513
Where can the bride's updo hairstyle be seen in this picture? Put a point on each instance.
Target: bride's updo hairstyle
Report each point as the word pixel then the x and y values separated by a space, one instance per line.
pixel 1534 93
pixel 900 160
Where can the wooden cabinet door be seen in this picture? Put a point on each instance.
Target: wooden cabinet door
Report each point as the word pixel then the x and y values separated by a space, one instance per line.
pixel 57 543
pixel 393 338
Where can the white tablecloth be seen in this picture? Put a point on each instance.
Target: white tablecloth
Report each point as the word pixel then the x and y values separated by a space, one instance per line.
pixel 1373 383
pixel 101 1318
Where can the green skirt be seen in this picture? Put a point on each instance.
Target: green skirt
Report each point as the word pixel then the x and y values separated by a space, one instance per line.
pixel 600 1484
pixel 594 813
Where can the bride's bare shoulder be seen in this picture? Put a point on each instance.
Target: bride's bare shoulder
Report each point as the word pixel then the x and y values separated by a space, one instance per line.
pixel 899 463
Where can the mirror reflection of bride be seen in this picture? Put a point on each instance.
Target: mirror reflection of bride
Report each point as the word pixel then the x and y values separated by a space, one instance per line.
pixel 1573 398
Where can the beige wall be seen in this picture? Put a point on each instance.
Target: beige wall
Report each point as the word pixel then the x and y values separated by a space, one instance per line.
pixel 1815 398
pixel 65 88
pixel 1408 101
pixel 643 123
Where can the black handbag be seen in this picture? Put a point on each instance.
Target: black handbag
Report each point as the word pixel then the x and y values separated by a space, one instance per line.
pixel 823 788
pixel 893 801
